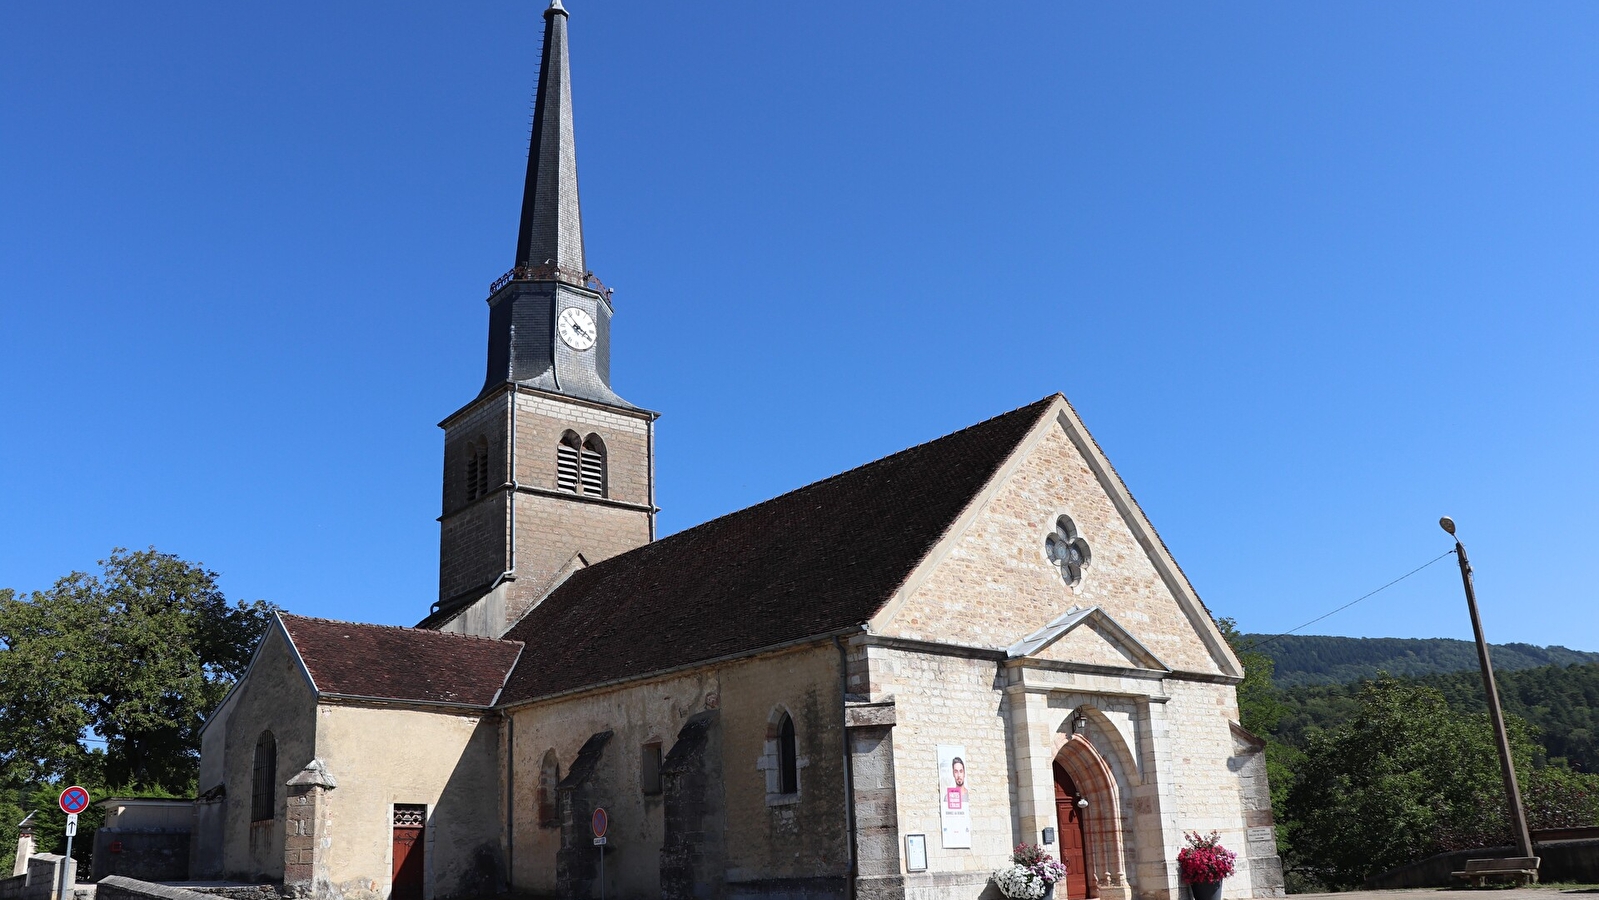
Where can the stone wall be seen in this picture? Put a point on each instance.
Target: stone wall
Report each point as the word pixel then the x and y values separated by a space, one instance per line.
pixel 118 887
pixel 997 584
pixel 42 879
pixel 695 829
pixel 1254 791
pixel 143 853
pixel 797 844
pixel 379 756
pixel 276 692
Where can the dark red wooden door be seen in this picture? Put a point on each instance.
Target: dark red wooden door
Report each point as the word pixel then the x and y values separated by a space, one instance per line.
pixel 1073 838
pixel 407 863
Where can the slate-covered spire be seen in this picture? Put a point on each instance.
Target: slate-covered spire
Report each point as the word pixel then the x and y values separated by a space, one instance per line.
pixel 552 223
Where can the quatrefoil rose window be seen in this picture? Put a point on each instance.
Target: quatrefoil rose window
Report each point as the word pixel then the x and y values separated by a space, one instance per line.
pixel 1067 550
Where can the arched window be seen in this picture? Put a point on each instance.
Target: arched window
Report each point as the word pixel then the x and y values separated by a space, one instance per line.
pixel 549 803
pixel 477 468
pixel 566 462
pixel 787 757
pixel 264 782
pixel 594 466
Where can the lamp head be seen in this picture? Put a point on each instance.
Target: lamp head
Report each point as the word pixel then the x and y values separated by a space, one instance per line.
pixel 1447 524
pixel 1082 802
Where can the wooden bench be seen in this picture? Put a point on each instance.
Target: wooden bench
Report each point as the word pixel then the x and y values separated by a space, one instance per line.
pixel 1523 868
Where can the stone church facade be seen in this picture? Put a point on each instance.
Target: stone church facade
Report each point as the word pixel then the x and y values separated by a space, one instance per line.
pixel 872 686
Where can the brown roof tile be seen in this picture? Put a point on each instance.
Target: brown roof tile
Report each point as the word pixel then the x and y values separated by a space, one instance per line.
pixel 809 563
pixel 396 663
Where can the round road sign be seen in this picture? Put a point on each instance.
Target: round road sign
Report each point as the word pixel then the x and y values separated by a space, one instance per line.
pixel 74 800
pixel 601 821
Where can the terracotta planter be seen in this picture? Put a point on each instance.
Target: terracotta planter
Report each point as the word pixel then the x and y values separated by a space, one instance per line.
pixel 1205 890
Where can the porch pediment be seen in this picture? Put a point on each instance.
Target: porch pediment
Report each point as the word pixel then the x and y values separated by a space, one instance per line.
pixel 1090 636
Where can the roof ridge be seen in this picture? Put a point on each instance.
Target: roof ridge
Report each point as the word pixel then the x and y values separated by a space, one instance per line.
pixel 452 634
pixel 850 471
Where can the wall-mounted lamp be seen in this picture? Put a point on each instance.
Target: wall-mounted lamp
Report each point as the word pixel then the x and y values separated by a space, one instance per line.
pixel 1082 802
pixel 1080 724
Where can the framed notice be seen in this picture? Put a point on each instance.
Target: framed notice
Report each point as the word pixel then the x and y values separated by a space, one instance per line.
pixel 915 852
pixel 954 800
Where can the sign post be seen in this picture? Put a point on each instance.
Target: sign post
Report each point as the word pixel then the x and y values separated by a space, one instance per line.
pixel 73 800
pixel 599 824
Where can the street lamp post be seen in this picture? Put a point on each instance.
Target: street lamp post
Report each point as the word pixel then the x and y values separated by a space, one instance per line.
pixel 1518 815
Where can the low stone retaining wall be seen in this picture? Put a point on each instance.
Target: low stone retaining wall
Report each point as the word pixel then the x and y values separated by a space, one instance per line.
pixel 1569 861
pixel 42 880
pixel 239 891
pixel 120 887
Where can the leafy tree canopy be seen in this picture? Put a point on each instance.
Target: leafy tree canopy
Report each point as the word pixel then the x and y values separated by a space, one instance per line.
pixel 105 679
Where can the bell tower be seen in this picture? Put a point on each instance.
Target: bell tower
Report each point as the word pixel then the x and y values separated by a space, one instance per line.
pixel 548 469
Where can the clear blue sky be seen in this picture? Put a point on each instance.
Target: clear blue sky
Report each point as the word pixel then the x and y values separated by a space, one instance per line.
pixel 1313 274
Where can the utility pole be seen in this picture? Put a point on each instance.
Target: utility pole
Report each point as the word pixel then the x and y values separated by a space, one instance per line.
pixel 1518 815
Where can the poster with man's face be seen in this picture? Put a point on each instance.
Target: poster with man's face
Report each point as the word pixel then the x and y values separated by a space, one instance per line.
pixel 954 799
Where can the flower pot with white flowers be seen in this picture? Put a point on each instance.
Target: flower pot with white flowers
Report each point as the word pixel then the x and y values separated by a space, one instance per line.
pixel 1032 874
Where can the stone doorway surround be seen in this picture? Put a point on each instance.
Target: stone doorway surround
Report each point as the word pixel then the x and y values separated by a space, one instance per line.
pixel 1100 728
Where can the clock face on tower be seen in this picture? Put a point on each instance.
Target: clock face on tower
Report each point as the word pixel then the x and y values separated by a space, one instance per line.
pixel 577 328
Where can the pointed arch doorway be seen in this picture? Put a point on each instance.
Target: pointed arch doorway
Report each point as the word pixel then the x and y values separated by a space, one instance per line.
pixel 1069 825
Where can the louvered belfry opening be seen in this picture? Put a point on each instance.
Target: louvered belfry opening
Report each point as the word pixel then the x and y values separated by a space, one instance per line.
pixel 566 462
pixel 593 457
pixel 477 469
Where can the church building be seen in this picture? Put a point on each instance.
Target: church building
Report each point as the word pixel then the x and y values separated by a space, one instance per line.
pixel 874 686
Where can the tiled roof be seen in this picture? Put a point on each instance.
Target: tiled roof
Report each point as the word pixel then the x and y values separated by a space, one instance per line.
pixel 809 563
pixel 396 663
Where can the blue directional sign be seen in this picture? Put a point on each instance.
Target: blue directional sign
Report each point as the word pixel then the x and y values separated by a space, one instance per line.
pixel 74 800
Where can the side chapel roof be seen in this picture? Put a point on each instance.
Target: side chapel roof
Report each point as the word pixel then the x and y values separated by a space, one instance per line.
pixel 815 561
pixel 407 664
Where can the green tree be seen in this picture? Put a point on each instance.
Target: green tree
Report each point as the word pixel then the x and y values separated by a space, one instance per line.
pixel 105 679
pixel 1259 708
pixel 1402 779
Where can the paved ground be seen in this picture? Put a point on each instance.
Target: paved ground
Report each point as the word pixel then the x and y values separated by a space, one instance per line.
pixel 1533 893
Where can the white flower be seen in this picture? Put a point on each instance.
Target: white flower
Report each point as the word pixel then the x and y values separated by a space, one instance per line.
pixel 1018 883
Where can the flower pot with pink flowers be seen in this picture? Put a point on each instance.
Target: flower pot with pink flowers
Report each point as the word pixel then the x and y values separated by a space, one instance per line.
pixel 1204 864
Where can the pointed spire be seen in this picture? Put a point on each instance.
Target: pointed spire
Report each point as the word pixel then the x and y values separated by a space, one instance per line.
pixel 552 223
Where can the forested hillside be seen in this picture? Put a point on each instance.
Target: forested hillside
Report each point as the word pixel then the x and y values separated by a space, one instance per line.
pixel 1320 659
pixel 1561 702
pixel 1385 770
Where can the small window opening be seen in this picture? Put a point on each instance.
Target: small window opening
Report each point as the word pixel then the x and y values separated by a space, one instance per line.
pixel 410 815
pixel 787 757
pixel 649 776
pixel 263 783
pixel 549 806
pixel 566 462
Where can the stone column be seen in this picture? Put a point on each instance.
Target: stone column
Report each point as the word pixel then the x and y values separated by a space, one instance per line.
pixel 1159 836
pixel 304 836
pixel 24 850
pixel 1033 749
pixel 869 730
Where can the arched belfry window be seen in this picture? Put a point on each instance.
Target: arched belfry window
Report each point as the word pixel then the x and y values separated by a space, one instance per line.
pixel 566 462
pixel 263 782
pixel 593 459
pixel 477 468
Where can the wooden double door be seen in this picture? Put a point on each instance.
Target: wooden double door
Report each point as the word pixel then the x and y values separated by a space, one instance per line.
pixel 1073 832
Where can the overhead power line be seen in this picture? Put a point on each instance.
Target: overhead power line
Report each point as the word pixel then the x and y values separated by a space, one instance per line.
pixel 1340 609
